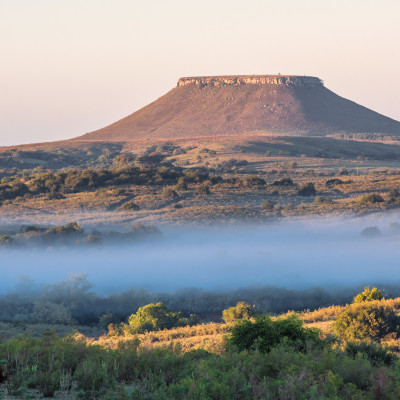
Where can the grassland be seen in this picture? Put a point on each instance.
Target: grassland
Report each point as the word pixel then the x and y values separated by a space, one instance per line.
pixel 197 362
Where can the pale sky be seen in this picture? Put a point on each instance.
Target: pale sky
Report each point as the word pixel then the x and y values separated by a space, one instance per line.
pixel 68 67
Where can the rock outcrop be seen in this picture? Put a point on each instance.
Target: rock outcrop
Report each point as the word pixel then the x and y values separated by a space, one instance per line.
pixel 284 80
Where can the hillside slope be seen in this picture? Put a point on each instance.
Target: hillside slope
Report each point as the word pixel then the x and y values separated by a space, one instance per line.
pixel 214 106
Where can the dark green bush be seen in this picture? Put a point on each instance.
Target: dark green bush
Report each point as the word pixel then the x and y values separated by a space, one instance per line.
pixel 253 180
pixel 283 182
pixel 265 333
pixel 307 189
pixel 374 353
pixel 360 321
pixel 333 182
pixel 72 227
pixel 155 317
pixel 130 206
pixel 371 198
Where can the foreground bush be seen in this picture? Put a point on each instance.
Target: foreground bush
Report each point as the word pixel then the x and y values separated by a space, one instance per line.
pixel 69 368
pixel 266 333
pixel 367 320
pixel 374 353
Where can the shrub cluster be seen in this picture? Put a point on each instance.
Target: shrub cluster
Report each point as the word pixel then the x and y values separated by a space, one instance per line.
pixel 54 185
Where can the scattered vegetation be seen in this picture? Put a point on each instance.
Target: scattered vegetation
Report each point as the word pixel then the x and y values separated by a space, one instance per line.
pixel 253 358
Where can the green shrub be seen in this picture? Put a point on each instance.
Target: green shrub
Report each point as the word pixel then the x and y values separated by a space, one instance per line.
pixel 152 317
pixel 368 294
pixel 307 189
pixel 322 200
pixel 371 198
pixel 72 227
pixel 375 354
pixel 333 182
pixel 130 206
pixel 54 196
pixel 253 180
pixel 93 375
pixel 267 205
pixel 241 311
pixel 366 320
pixel 283 182
pixel 265 333
pixel 181 185
pixel 202 190
pixel 169 193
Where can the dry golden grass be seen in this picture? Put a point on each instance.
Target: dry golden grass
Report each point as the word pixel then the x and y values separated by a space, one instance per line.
pixel 209 337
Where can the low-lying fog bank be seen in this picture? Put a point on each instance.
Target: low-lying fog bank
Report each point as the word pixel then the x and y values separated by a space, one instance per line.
pixel 296 254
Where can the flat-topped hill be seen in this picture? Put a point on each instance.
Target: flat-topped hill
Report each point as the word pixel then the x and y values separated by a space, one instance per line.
pixel 231 105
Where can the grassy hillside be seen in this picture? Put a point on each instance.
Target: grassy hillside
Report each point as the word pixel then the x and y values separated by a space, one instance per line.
pixel 203 361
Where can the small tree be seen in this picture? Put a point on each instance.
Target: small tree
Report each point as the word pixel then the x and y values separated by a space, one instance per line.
pixel 241 311
pixel 369 295
pixel 152 317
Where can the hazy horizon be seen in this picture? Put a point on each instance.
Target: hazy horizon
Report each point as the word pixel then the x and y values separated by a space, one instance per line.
pixel 70 68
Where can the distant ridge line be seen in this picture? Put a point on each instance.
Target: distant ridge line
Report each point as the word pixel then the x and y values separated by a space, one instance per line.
pixel 228 80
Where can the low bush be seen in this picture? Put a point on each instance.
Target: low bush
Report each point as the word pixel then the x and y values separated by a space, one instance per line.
pixel 71 228
pixel 374 353
pixel 333 182
pixel 371 198
pixel 322 200
pixel 202 190
pixel 283 182
pixel 307 189
pixel 169 193
pixel 267 205
pixel 130 206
